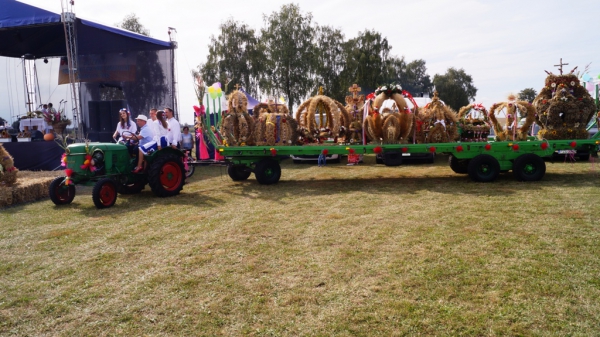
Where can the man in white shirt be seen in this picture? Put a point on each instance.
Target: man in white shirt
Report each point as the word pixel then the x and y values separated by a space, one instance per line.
pixel 174 129
pixel 153 122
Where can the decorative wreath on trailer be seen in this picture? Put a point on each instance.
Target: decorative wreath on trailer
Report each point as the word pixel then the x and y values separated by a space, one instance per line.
pixel 515 111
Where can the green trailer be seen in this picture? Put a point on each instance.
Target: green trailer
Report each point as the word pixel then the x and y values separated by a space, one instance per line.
pixel 482 161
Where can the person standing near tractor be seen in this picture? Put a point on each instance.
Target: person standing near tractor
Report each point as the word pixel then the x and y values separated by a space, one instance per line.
pixel 174 129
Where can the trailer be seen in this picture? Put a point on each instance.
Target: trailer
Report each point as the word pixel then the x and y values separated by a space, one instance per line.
pixel 481 161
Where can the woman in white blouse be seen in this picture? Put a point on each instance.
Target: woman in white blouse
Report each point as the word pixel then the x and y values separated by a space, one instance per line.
pixel 125 124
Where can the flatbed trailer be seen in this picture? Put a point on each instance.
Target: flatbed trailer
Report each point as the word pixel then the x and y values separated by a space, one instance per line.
pixel 482 161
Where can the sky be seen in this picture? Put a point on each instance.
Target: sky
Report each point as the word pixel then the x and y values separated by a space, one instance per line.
pixel 504 45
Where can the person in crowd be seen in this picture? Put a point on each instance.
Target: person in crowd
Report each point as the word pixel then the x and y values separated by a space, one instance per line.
pixel 174 129
pixel 146 143
pixel 162 132
pixel 187 140
pixel 125 124
pixel 51 109
pixel 152 121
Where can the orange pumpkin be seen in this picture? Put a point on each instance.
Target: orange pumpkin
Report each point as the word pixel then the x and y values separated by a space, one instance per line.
pixel 49 137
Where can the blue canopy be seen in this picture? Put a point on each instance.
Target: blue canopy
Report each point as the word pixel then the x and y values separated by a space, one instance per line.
pixel 251 100
pixel 25 29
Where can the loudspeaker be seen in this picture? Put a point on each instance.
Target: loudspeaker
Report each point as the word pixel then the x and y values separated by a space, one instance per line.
pixel 103 116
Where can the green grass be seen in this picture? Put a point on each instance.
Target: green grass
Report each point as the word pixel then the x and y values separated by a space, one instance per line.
pixel 334 251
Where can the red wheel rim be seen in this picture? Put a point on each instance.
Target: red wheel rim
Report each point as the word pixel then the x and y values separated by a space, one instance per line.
pixel 108 193
pixel 170 176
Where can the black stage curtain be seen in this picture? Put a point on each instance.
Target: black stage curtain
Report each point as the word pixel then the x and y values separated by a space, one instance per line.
pixel 35 156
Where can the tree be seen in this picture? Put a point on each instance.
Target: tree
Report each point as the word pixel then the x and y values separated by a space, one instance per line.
pixel 330 62
pixel 289 53
pixel 528 95
pixel 235 55
pixel 415 79
pixel 367 59
pixel 132 23
pixel 455 88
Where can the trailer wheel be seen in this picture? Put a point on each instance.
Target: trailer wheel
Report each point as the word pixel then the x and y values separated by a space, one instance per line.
pixel 460 166
pixel 166 175
pixel 238 172
pixel 484 168
pixel 267 171
pixel 104 193
pixel 392 158
pixel 61 194
pixel 529 167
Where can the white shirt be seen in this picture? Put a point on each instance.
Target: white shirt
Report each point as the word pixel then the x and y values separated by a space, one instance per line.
pixel 174 135
pixel 160 131
pixel 132 128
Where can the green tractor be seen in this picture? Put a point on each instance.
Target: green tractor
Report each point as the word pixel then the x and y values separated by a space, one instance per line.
pixel 108 168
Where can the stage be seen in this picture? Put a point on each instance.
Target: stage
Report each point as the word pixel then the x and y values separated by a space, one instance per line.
pixel 35 156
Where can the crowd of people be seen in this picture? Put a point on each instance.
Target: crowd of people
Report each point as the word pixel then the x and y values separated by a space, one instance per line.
pixel 161 130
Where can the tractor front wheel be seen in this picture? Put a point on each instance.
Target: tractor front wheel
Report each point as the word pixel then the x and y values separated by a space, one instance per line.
pixel 166 175
pixel 61 194
pixel 104 193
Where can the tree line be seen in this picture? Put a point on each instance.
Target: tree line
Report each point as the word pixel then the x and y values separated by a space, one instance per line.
pixel 293 56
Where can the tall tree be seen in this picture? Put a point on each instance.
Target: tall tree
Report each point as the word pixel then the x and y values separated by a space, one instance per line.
pixel 455 88
pixel 132 23
pixel 367 58
pixel 330 61
pixel 289 51
pixel 234 56
pixel 415 79
pixel 527 94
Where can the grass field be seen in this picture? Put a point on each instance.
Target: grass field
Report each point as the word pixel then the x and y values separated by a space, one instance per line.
pixel 334 251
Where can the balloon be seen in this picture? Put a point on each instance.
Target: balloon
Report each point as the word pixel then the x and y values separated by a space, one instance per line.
pixel 590 86
pixel 586 77
pixel 219 92
pixel 212 92
pixel 217 85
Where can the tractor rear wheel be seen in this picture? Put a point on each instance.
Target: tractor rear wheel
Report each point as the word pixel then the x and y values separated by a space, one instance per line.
pixel 61 194
pixel 166 175
pixel 104 193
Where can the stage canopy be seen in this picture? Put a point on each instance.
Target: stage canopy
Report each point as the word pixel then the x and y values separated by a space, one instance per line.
pixel 25 29
pixel 117 68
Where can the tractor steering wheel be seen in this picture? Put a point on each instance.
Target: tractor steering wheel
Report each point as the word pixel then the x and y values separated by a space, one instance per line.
pixel 132 141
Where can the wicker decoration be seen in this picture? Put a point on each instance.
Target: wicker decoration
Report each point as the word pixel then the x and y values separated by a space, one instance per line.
pixel 237 128
pixel 8 171
pixel 564 108
pixel 59 127
pixel 399 120
pixel 515 111
pixel 436 123
pixel 473 123
pixel 334 120
pixel 274 125
pixel 355 105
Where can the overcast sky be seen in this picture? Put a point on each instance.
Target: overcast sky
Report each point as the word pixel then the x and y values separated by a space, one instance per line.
pixel 504 45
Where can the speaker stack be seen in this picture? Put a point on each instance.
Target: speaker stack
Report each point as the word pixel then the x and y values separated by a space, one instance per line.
pixel 103 117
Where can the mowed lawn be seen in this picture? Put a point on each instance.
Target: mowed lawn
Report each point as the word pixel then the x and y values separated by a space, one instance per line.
pixel 341 250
